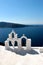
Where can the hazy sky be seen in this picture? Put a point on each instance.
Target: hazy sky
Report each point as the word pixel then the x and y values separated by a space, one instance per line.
pixel 22 11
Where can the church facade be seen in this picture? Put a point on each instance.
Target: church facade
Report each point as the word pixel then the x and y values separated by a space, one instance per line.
pixel 13 39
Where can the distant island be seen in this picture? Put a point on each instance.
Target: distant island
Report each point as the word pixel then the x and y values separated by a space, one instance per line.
pixel 15 25
pixel 10 25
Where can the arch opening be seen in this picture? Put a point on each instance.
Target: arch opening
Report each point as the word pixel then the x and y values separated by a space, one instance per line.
pixel 12 35
pixel 10 44
pixel 23 42
pixel 15 43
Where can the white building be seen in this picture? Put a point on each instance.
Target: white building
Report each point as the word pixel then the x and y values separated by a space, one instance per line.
pixel 15 41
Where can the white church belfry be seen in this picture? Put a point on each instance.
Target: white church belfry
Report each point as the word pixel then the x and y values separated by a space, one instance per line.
pixel 15 41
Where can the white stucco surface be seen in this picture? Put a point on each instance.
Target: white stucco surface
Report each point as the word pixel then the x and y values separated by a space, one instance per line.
pixel 12 58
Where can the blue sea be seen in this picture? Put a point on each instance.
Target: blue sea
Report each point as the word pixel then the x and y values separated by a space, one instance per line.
pixel 35 33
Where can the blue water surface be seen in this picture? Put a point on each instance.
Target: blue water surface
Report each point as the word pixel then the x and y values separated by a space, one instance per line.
pixel 35 33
